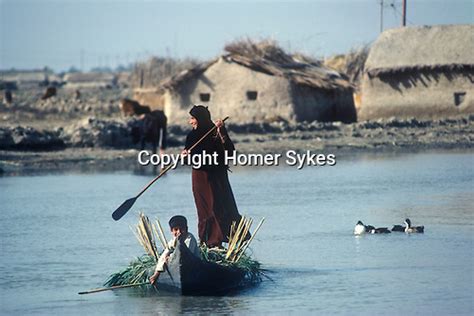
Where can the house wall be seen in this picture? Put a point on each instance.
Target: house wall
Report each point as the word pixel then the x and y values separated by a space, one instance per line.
pixel 423 94
pixel 227 84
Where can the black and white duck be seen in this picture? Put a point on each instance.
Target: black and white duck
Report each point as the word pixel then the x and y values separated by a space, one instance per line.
pixel 360 229
pixel 413 229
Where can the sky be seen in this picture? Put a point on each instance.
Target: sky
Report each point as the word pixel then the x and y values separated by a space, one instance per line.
pixel 105 33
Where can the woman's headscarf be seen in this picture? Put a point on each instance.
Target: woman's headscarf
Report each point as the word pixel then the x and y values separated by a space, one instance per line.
pixel 203 116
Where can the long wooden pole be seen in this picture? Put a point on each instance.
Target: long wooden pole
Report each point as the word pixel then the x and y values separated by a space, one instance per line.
pixel 127 205
pixel 113 288
pixel 381 16
pixel 404 15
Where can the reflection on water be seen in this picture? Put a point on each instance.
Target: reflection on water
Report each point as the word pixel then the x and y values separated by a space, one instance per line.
pixel 58 238
pixel 163 302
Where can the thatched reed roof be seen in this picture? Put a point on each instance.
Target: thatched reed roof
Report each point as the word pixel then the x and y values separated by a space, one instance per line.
pixel 267 57
pixel 185 75
pixel 422 48
pixel 351 64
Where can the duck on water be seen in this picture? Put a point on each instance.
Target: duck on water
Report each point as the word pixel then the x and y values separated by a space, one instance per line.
pixel 360 229
pixel 408 228
pixel 413 229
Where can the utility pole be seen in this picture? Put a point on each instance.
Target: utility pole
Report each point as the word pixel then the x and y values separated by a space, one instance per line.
pixel 81 61
pixel 381 16
pixel 404 15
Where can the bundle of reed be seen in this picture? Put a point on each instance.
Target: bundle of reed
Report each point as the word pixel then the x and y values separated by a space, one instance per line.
pixel 136 272
pixel 238 239
pixel 139 269
pixel 146 235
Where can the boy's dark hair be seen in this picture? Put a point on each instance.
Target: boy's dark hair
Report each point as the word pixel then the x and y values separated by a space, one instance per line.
pixel 178 221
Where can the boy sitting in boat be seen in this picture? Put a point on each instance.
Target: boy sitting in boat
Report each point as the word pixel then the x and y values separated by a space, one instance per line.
pixel 179 230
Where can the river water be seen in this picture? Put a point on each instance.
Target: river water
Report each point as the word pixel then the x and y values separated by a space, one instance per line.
pixel 58 238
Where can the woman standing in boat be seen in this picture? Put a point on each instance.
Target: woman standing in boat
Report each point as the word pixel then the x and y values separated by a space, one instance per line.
pixel 213 195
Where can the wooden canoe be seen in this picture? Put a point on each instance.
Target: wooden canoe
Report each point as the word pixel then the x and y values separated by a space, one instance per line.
pixel 187 274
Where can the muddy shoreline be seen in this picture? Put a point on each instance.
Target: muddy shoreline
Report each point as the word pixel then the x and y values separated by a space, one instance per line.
pixel 343 140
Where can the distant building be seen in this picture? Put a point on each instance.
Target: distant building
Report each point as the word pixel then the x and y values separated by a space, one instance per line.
pixel 29 78
pixel 422 72
pixel 255 86
pixel 76 80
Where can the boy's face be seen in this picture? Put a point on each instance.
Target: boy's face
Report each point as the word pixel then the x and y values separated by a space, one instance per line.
pixel 178 231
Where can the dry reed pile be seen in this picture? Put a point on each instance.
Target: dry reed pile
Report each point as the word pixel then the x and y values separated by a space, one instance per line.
pixel 267 49
pixel 235 254
pixel 351 64
pixel 138 270
pixel 267 57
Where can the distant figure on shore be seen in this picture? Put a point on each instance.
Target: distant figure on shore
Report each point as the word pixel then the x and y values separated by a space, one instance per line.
pixel 7 97
pixel 77 94
pixel 132 107
pixel 50 92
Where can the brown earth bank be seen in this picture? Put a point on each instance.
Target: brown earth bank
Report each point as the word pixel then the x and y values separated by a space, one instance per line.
pixel 93 145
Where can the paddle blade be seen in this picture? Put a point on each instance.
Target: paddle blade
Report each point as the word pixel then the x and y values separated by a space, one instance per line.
pixel 123 209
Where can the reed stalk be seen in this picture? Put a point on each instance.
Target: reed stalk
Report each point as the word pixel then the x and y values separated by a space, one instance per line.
pixel 146 236
pixel 163 243
pixel 162 233
pixel 251 238
pixel 244 235
pixel 235 239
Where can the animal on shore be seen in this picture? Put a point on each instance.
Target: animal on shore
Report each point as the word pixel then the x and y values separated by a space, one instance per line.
pixel 151 128
pixel 360 229
pixel 131 107
pixel 413 229
pixel 50 92
pixel 7 97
